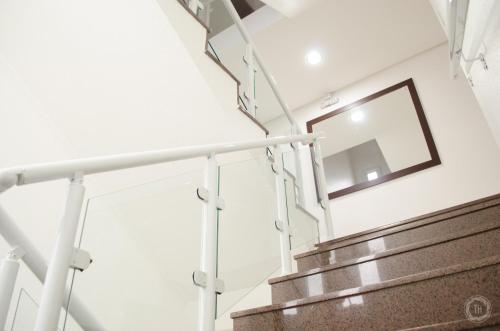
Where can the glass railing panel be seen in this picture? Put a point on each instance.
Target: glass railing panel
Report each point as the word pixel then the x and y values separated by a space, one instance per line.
pixel 145 243
pixel 227 45
pixel 289 162
pixel 25 313
pixel 268 106
pixel 249 244
pixel 303 225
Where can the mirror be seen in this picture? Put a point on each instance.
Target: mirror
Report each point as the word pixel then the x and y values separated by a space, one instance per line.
pixel 376 139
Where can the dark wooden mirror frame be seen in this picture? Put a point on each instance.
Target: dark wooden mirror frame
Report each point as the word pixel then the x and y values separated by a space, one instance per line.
pixel 435 160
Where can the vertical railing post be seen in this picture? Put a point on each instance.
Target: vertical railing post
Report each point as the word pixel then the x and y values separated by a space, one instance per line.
pixel 208 11
pixel 258 59
pixel 206 315
pixel 57 273
pixel 299 178
pixel 299 181
pixel 8 276
pixel 282 219
pixel 327 225
pixel 250 90
pixel 195 5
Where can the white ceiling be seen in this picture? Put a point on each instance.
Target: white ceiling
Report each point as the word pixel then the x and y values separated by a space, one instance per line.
pixel 356 38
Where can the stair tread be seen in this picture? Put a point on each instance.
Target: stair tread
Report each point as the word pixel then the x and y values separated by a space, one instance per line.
pixel 342 241
pixel 493 260
pixel 389 252
pixel 473 209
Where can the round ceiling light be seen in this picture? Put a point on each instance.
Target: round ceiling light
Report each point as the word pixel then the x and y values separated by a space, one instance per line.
pixel 313 57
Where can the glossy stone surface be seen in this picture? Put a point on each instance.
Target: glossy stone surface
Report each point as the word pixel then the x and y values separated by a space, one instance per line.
pixel 455 248
pixel 492 323
pixel 427 298
pixel 419 220
pixel 384 241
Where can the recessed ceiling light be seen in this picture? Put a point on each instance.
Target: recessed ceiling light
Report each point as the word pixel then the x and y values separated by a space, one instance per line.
pixel 357 116
pixel 313 57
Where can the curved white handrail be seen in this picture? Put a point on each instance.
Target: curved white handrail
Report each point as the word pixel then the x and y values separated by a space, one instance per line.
pixel 246 36
pixel 67 169
pixel 53 294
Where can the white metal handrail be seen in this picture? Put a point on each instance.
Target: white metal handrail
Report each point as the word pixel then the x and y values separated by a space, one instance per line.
pixel 54 276
pixel 251 53
pixel 67 169
pixel 267 74
pixel 457 16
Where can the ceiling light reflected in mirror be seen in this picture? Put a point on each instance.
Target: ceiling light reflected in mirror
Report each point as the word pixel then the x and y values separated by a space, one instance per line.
pixel 357 116
pixel 372 175
pixel 375 139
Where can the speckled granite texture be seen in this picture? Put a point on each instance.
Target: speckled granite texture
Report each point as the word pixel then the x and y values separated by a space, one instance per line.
pixel 434 216
pixel 453 249
pixel 337 253
pixel 427 298
pixel 412 275
pixel 492 323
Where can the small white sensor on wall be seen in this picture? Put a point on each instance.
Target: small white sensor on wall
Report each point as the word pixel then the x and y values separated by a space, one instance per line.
pixel 329 100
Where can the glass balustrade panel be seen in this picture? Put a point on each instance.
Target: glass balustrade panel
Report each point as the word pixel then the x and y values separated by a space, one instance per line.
pixel 145 244
pixel 249 243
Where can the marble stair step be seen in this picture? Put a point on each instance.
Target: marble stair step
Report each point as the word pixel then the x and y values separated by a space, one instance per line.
pixel 325 255
pixel 492 323
pixel 415 221
pixel 454 248
pixel 423 299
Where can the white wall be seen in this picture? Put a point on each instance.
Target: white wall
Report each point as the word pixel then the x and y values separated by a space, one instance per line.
pixel 90 78
pixel 338 171
pixel 193 36
pixel 485 16
pixel 470 159
pixel 482 35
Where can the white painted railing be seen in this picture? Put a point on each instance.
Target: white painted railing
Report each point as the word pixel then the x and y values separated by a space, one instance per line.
pixel 457 17
pixel 251 54
pixel 63 254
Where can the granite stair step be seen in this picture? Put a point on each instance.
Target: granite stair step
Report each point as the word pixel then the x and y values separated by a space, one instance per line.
pixel 454 248
pixel 473 216
pixel 415 221
pixel 424 299
pixel 492 323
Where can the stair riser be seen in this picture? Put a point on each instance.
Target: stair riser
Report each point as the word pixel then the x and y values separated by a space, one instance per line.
pixel 448 253
pixel 398 239
pixel 429 218
pixel 424 302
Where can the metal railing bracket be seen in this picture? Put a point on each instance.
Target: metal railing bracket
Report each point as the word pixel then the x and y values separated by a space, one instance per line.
pixel 81 259
pixel 202 194
pixel 200 280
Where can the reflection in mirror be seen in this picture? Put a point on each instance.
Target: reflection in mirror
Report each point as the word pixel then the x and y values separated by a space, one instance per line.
pixel 378 138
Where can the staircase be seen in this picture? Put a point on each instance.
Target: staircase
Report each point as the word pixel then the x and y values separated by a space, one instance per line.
pixel 418 274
